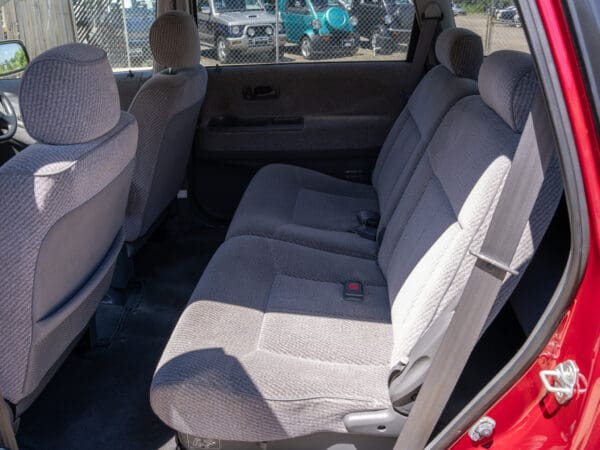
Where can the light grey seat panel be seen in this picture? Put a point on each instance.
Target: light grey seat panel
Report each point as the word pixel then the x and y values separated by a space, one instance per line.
pixel 281 195
pixel 268 348
pixel 166 108
pixel 62 203
pixel 454 192
pixel 287 203
pixel 63 207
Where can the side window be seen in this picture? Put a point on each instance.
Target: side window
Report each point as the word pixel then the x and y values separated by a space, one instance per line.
pixel 297 31
pixel 497 22
pixel 120 27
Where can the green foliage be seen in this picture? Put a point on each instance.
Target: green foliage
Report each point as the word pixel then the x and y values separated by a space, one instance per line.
pixel 17 62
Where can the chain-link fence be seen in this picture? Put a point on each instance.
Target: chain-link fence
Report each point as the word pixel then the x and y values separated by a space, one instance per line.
pixel 497 22
pixel 247 31
pixel 255 31
pixel 120 27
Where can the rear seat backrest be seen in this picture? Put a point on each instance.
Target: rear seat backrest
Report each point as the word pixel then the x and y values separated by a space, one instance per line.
pixel 449 201
pixel 460 52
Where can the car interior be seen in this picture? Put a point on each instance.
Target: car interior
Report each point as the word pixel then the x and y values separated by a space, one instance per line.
pixel 251 256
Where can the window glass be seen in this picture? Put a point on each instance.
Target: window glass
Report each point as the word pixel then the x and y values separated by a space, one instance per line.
pixel 248 32
pixel 120 27
pixel 497 22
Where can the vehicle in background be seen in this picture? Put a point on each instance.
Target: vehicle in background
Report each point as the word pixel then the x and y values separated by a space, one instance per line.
pixel 458 10
pixel 139 19
pixel 386 23
pixel 506 14
pixel 319 26
pixel 238 27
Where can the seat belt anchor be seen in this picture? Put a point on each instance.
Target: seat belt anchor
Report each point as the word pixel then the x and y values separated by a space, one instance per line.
pixel 494 262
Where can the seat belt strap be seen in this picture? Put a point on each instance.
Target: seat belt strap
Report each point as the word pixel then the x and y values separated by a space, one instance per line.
pixel 7 432
pixel 428 27
pixel 516 202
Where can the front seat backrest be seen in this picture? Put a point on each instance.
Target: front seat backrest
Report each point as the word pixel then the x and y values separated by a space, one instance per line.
pixel 62 203
pixel 167 108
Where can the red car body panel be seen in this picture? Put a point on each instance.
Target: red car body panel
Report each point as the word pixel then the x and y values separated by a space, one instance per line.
pixel 526 417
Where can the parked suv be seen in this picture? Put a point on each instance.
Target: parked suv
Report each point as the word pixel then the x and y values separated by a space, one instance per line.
pixel 386 23
pixel 319 26
pixel 238 27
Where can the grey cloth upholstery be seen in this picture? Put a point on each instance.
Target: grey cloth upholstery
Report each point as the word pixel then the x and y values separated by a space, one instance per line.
pixel 504 83
pixel 166 108
pixel 461 51
pixel 68 95
pixel 269 349
pixel 299 205
pixel 63 208
pixel 174 40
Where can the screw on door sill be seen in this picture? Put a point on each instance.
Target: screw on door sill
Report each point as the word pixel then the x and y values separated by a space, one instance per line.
pixel 483 429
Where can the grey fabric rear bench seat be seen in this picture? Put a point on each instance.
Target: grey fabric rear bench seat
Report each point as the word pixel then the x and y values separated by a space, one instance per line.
pixel 268 348
pixel 303 206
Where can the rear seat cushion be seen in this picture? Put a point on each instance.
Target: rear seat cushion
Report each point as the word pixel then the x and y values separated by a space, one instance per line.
pixel 299 205
pixel 269 349
pixel 290 194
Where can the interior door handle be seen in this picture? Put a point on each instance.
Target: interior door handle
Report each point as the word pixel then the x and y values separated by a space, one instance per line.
pixel 260 93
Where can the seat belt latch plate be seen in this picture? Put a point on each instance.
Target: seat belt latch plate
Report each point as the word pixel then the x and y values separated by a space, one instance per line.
pixel 494 262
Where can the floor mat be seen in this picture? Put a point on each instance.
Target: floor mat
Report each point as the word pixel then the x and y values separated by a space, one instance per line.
pixel 99 397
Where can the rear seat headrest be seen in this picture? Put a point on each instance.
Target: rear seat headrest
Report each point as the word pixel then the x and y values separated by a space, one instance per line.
pixel 174 40
pixel 508 84
pixel 69 95
pixel 460 51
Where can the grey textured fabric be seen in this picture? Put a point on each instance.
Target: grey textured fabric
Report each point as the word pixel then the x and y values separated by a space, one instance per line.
pixel 69 95
pixel 505 83
pixel 174 40
pixel 268 348
pixel 167 108
pixel 299 205
pixel 461 51
pixel 43 192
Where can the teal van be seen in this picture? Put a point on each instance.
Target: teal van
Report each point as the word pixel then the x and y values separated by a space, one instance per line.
pixel 321 27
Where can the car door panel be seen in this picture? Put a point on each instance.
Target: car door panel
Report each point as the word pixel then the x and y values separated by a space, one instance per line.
pixel 329 117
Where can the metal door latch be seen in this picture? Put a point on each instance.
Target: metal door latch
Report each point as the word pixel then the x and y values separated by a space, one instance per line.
pixel 565 379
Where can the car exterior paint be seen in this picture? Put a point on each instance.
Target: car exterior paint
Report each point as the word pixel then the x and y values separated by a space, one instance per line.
pixel 335 30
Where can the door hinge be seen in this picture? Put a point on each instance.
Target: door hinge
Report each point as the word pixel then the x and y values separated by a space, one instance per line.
pixel 565 377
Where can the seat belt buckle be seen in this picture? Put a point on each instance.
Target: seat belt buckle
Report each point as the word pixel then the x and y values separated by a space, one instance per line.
pixel 366 232
pixel 494 262
pixel 353 291
pixel 369 219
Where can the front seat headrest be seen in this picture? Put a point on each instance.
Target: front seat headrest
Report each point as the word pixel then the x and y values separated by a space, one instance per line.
pixel 508 84
pixel 460 51
pixel 174 40
pixel 69 95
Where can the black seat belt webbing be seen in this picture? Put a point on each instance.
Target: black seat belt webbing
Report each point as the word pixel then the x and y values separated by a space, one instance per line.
pixel 516 202
pixel 426 35
pixel 7 433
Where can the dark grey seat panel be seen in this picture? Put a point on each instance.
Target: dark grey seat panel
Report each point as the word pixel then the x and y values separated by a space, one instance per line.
pixel 279 351
pixel 167 108
pixel 63 204
pixel 300 197
pixel 268 348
